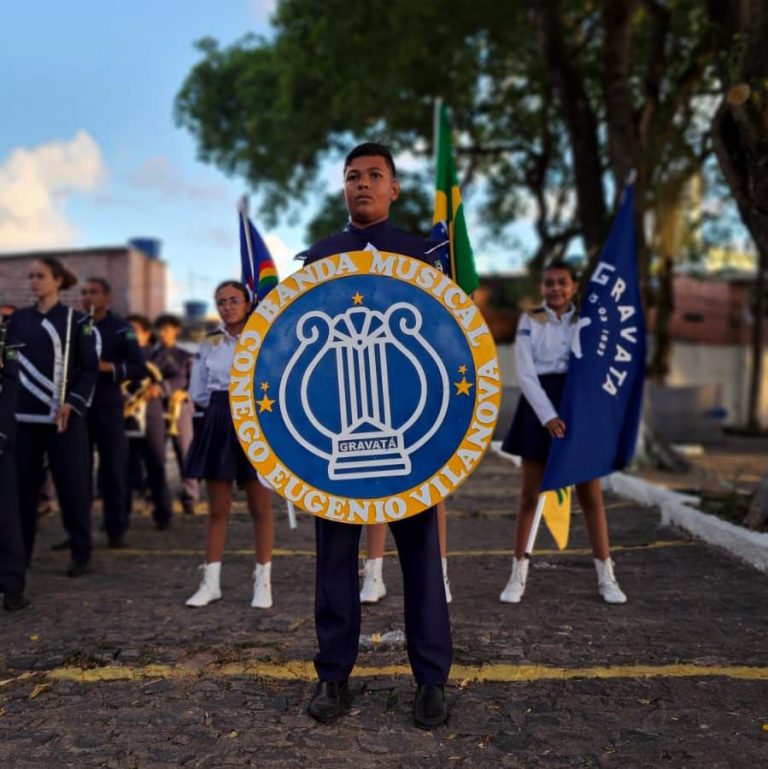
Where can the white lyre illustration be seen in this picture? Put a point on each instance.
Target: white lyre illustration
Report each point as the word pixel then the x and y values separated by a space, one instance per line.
pixel 363 435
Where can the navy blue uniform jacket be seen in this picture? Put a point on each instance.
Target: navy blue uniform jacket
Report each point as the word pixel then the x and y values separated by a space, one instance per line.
pixel 116 344
pixel 41 361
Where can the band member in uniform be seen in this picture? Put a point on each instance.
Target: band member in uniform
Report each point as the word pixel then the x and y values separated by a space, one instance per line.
pixel 176 365
pixel 13 559
pixel 147 447
pixel 217 456
pixel 120 360
pixel 542 351
pixel 370 187
pixel 373 588
pixel 58 370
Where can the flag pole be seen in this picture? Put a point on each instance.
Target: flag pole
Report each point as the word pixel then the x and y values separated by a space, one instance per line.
pixel 436 130
pixel 243 208
pixel 535 527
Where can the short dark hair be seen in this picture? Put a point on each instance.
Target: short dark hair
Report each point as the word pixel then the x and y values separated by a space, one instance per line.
pixel 140 320
pixel 371 149
pixel 103 282
pixel 561 264
pixel 166 319
pixel 236 284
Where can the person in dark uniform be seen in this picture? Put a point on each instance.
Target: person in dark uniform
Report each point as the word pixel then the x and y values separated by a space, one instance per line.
pixel 13 558
pixel 176 366
pixel 58 370
pixel 147 447
pixel 120 359
pixel 370 187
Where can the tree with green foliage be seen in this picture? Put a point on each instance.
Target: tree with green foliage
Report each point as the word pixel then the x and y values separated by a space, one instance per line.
pixel 553 102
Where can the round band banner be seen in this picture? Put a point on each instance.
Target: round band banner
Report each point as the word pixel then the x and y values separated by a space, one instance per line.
pixel 365 387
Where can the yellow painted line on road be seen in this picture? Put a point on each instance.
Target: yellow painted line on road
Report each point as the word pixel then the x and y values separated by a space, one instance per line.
pixel 505 552
pixel 301 670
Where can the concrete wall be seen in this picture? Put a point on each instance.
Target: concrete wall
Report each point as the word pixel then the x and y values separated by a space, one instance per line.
pixel 724 366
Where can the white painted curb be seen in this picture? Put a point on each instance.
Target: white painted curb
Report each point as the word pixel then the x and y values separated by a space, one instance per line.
pixel 679 510
pixel 676 510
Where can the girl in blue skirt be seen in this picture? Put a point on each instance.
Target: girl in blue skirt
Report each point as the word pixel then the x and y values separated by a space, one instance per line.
pixel 217 456
pixel 542 351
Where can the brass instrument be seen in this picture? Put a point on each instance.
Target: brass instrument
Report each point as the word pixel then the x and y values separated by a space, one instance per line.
pixel 135 402
pixel 173 415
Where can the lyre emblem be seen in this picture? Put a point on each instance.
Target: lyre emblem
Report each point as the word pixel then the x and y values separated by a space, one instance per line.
pixel 369 396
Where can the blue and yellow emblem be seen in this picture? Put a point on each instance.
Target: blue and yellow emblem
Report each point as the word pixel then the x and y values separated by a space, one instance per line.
pixel 365 387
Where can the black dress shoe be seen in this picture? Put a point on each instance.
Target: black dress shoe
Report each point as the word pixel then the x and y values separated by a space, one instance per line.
pixel 429 708
pixel 117 543
pixel 15 601
pixel 78 568
pixel 331 701
pixel 63 545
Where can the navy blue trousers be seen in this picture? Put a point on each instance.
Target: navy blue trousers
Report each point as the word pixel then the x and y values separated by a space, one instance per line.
pixel 150 450
pixel 68 457
pixel 13 558
pixel 337 598
pixel 106 428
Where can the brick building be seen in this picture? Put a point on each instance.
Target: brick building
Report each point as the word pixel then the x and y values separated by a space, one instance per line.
pixel 713 310
pixel 136 273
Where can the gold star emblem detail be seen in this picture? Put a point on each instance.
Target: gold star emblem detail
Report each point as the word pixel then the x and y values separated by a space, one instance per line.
pixel 265 404
pixel 264 386
pixel 462 369
pixel 357 298
pixel 462 388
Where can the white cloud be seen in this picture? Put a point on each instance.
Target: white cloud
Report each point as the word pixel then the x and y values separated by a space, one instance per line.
pixel 162 175
pixel 35 185
pixel 263 9
pixel 282 254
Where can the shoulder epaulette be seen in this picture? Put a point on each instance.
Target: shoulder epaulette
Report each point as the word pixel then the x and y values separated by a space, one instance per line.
pixel 214 337
pixel 538 314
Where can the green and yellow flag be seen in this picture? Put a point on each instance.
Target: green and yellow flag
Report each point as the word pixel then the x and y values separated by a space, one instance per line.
pixel 448 219
pixel 557 514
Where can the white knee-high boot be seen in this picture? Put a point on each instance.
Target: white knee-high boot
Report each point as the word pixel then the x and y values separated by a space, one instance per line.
pixel 607 585
pixel 210 589
pixel 515 587
pixel 373 589
pixel 262 586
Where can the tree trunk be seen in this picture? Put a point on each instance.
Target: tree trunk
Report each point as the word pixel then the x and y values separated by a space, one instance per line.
pixel 580 121
pixel 758 508
pixel 740 137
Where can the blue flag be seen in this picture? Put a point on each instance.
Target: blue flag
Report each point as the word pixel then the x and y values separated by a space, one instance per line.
pixel 439 249
pixel 257 269
pixel 604 387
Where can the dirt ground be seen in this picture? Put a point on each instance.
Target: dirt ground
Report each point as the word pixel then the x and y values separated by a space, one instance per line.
pixel 112 670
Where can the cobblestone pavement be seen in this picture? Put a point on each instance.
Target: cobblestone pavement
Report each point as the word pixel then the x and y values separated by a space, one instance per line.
pixel 111 670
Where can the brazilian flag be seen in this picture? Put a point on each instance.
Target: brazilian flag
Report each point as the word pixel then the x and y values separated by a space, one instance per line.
pixel 448 219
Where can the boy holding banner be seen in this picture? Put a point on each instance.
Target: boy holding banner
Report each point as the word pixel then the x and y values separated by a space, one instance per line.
pixel 370 187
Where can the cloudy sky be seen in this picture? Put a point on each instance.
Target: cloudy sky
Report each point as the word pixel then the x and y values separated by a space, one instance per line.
pixel 89 152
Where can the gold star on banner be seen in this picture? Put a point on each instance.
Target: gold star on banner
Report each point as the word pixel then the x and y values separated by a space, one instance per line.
pixel 264 386
pixel 462 369
pixel 265 404
pixel 358 298
pixel 462 388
